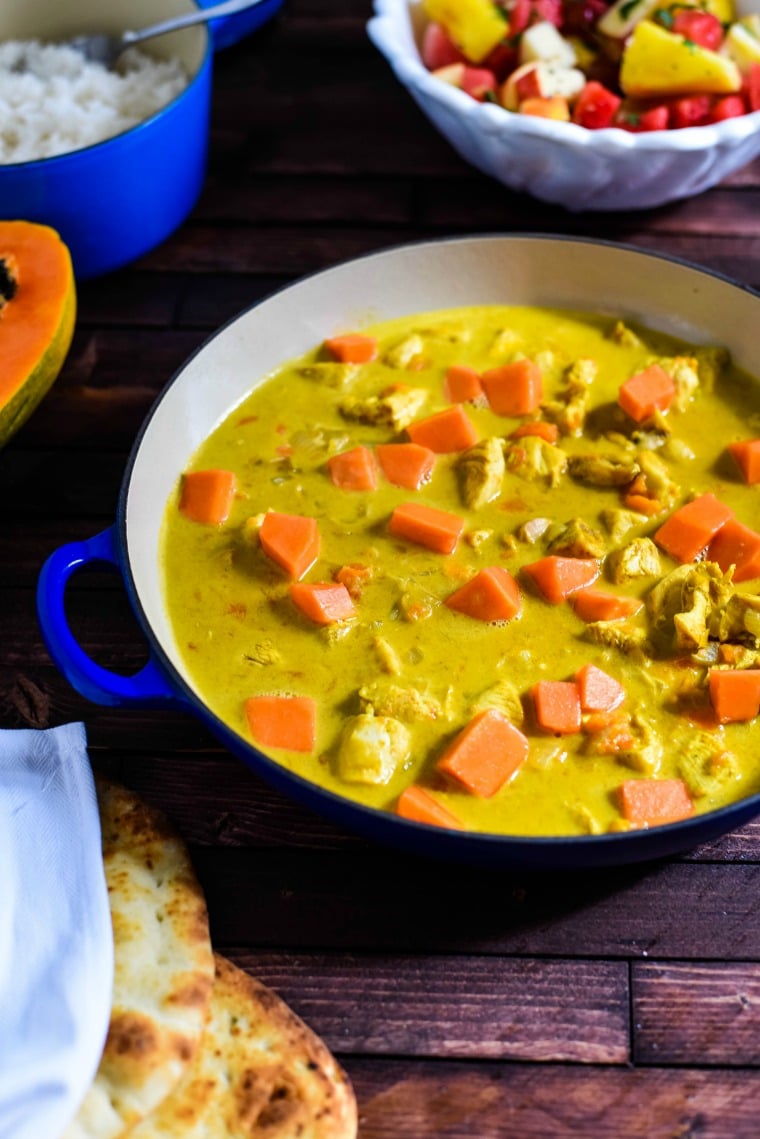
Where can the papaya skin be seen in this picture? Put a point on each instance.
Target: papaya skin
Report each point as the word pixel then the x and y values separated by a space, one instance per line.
pixel 37 318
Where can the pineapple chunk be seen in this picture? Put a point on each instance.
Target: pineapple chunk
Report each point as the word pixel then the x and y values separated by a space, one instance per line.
pixel 475 26
pixel 725 10
pixel 659 63
pixel 742 43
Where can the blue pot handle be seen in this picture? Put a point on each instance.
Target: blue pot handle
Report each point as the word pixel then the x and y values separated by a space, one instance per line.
pixel 147 688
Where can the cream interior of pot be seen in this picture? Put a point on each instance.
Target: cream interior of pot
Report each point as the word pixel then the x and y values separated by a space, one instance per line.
pixel 25 20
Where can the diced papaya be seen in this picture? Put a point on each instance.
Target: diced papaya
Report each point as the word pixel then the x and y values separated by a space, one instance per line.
pixel 485 754
pixel 282 721
pixel 437 529
pixel 557 706
pixel 688 530
pixel 445 431
pixel 514 389
pixel 420 806
pixel 736 545
pixel 598 605
pixel 654 802
pixel 735 694
pixel 557 577
pixel 491 595
pixel 290 540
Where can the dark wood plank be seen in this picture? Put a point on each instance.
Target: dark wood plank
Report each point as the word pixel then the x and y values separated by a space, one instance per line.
pixel 456 1007
pixel 424 1100
pixel 696 1014
pixel 405 904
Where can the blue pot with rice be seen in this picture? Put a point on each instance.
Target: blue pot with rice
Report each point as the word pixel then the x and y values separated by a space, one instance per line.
pixel 113 162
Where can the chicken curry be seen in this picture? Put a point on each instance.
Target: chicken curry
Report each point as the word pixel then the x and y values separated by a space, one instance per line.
pixel 489 568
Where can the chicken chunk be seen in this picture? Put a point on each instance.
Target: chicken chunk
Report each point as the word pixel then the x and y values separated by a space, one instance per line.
pixel 684 372
pixel 645 754
pixel 504 697
pixel 620 522
pixel 401 703
pixel 577 539
pixel 331 373
pixel 318 443
pixel 704 763
pixel 481 472
pixel 691 626
pixel 263 653
pixel 534 458
pixel 602 470
pixel 738 620
pixel 387 657
pixel 372 749
pixel 505 341
pixel 404 353
pixel 711 363
pixel 394 409
pixel 623 335
pixel 621 635
pixel 640 558
pixel 569 410
pixel 659 483
pixel 687 604
pixel 453 332
pixel 533 530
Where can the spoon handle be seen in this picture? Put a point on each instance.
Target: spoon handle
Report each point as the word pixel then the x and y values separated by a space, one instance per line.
pixel 199 17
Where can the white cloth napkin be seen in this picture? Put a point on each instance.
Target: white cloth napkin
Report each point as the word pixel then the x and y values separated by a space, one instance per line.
pixel 56 941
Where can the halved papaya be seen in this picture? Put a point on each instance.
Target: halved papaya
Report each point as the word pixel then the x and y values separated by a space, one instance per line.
pixel 37 314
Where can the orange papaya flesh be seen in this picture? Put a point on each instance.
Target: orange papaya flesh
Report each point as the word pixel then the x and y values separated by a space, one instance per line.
pixel 37 316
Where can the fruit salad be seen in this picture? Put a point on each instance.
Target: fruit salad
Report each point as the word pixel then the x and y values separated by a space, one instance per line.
pixel 638 65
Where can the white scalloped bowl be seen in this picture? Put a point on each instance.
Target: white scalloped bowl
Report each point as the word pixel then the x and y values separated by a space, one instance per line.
pixel 563 163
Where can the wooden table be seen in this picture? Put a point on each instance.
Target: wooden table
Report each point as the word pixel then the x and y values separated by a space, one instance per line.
pixel 622 1003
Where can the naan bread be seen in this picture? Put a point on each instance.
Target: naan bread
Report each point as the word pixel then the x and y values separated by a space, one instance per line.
pixel 163 966
pixel 260 1073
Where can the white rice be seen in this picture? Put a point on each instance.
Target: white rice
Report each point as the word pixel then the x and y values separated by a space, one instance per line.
pixel 53 101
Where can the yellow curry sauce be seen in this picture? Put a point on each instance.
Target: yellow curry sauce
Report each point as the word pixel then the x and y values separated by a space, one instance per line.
pixel 405 655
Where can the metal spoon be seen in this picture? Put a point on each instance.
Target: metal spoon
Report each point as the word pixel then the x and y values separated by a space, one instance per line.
pixel 106 49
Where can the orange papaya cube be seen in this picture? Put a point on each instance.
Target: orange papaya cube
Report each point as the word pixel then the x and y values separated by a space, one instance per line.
pixel 427 526
pixel 514 389
pixel 653 802
pixel 735 694
pixel 282 721
pixel 746 455
pixel 206 496
pixel 689 529
pixel 491 595
pixel 646 392
pixel 736 545
pixel 290 540
pixel 485 754
pixel 557 577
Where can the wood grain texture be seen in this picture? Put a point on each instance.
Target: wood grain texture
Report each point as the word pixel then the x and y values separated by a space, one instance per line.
pixel 457 1007
pixel 686 1013
pixel 465 1003
pixel 408 1100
